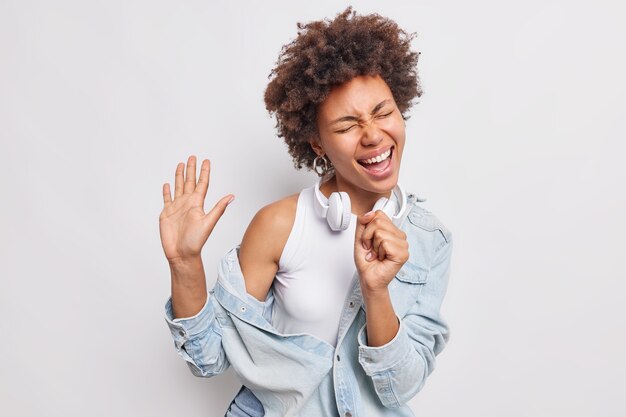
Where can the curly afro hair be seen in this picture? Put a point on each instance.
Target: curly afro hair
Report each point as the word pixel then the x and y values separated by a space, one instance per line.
pixel 327 53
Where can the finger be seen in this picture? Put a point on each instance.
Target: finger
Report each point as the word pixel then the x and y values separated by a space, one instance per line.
pixel 360 226
pixel 203 180
pixel 378 222
pixel 382 250
pixel 167 196
pixel 217 211
pixel 393 250
pixel 178 180
pixel 379 237
pixel 387 223
pixel 190 175
pixel 362 222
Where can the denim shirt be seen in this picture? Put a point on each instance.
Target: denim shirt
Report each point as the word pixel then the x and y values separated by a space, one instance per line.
pixel 302 375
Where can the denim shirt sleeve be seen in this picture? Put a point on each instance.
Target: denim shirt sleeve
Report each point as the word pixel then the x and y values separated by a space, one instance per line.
pixel 399 368
pixel 198 339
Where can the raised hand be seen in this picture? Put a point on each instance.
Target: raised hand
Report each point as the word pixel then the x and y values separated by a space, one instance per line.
pixel 380 250
pixel 183 225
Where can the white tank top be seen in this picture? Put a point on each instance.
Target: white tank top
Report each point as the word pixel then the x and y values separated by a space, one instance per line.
pixel 315 273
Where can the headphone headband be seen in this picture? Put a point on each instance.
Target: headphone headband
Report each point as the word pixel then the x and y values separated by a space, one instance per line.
pixel 337 210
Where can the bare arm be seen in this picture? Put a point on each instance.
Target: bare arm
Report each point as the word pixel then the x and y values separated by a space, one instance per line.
pixel 189 291
pixel 263 244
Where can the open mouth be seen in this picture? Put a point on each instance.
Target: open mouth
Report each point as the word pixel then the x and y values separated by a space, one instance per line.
pixel 379 164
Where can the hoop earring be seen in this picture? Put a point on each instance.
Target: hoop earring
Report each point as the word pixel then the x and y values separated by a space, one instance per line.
pixel 321 159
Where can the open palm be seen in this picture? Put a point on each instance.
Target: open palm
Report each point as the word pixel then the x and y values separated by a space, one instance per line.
pixel 183 225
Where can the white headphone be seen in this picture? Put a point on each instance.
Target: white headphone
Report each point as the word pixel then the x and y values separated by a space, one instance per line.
pixel 338 209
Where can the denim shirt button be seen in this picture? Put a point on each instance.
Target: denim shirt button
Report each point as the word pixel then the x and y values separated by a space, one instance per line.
pixel 243 309
pixel 182 333
pixel 351 304
pixel 348 414
pixel 338 358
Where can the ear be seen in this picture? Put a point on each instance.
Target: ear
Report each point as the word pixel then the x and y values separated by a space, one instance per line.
pixel 316 145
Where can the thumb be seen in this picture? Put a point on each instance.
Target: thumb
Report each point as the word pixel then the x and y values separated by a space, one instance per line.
pixel 212 217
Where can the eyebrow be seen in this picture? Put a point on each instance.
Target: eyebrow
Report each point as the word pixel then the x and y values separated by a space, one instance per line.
pixel 354 118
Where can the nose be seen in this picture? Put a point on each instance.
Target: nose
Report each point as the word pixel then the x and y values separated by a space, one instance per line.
pixel 372 134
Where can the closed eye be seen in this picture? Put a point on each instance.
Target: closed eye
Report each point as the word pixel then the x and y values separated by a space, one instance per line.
pixel 380 116
pixel 345 130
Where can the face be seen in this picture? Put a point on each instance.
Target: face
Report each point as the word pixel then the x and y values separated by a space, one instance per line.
pixel 360 121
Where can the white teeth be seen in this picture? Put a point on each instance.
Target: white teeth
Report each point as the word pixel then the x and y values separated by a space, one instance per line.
pixel 379 158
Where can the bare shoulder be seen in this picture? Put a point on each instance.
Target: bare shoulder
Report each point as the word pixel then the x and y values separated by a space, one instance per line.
pixel 263 243
pixel 272 224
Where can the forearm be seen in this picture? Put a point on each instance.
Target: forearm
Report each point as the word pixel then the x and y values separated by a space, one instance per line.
pixel 382 322
pixel 189 292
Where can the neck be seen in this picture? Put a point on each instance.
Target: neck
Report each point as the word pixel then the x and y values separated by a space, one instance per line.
pixel 361 201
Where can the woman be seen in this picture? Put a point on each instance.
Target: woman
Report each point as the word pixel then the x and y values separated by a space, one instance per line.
pixel 330 304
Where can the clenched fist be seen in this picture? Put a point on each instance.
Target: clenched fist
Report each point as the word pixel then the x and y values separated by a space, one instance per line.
pixel 380 250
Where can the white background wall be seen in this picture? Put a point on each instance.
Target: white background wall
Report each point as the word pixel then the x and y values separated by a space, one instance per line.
pixel 517 143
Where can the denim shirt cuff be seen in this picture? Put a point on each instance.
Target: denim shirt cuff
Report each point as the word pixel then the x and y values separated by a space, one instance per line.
pixel 376 359
pixel 183 328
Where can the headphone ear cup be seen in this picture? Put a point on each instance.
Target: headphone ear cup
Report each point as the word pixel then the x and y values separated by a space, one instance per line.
pixel 380 204
pixel 389 207
pixel 339 210
pixel 347 210
pixel 333 216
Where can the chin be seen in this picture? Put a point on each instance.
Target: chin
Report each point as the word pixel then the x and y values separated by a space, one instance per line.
pixel 382 186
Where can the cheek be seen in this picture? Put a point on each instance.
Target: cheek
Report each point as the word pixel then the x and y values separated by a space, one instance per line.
pixel 343 157
pixel 342 151
pixel 395 129
pixel 400 129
